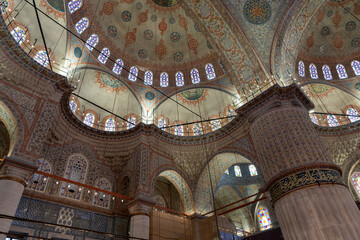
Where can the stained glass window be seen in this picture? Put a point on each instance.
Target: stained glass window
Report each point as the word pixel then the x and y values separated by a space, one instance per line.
pixel 162 123
pixel 104 55
pixel 18 34
pixel 179 79
pixel 264 218
pixel 341 71
pixel 3 5
pixel 197 129
pixel 301 68
pixel 215 124
pixel 332 120
pixel 164 79
pixel 227 171
pixel 314 119
pixel 74 5
pixel 75 171
pixel 195 76
pixel 38 181
pixel 89 119
pixel 210 72
pixel 237 171
pixel 353 114
pixel 313 71
pixel 148 78
pixel 42 58
pixel 179 130
pixel 130 122
pixel 356 181
pixel 92 42
pixel 102 199
pixel 327 72
pixel 356 67
pixel 253 171
pixel 81 25
pixel 110 125
pixel 73 106
pixel 118 65
pixel 133 74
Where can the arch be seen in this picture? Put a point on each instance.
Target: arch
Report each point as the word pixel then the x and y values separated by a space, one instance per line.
pixel 164 79
pixel 76 170
pixel 74 5
pixel 341 71
pixel 327 72
pixel 92 41
pixel 210 71
pixel 356 67
pixel 104 55
pixel 179 79
pixel 195 76
pixel 118 65
pixel 38 182
pixel 102 199
pixel 82 25
pixel 149 76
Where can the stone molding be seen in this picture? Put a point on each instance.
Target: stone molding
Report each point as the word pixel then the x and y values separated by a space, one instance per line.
pixel 16 170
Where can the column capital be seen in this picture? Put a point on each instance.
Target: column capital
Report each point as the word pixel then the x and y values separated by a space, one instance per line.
pixel 140 207
pixel 15 169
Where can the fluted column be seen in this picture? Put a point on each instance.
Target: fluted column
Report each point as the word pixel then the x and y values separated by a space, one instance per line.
pixel 13 176
pixel 140 219
pixel 309 197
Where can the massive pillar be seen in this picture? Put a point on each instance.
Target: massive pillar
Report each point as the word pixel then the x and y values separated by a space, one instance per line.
pixel 140 220
pixel 309 196
pixel 13 176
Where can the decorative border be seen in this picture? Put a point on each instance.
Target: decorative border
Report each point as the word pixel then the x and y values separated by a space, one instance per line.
pixel 316 175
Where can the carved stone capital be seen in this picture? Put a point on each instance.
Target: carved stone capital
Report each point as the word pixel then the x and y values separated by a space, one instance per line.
pixel 140 207
pixel 16 170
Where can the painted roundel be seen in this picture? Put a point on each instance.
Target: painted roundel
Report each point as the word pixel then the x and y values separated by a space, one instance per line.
pixel 112 32
pixel 149 95
pixel 143 54
pixel 193 94
pixel 350 26
pixel 357 86
pixel 77 52
pixel 148 34
pixel 57 4
pixel 172 20
pixel 178 57
pixel 175 37
pixel 126 16
pixel 325 31
pixel 355 42
pixel 257 11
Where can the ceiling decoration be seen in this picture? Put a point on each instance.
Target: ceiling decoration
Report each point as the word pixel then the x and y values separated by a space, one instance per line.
pixel 109 83
pixel 193 96
pixel 55 7
pixel 257 11
pixel 166 3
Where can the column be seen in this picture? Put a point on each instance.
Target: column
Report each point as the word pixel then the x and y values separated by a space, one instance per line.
pixel 310 199
pixel 13 176
pixel 140 219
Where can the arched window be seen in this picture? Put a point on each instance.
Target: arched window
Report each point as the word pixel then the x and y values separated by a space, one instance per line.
pixel 227 171
pixel 110 125
pixel 38 181
pixel 195 76
pixel 104 55
pixel 313 71
pixel 237 171
pixel 179 79
pixel 341 71
pixel 161 123
pixel 314 119
pixel 264 218
pixel 179 130
pixel 3 5
pixel 82 25
pixel 210 72
pixel 353 114
pixel 75 171
pixel 356 181
pixel 159 201
pixel 74 5
pixel 130 122
pixel 197 129
pixel 332 120
pixel 253 171
pixel 18 34
pixel 133 74
pixel 229 113
pixel 164 79
pixel 148 78
pixel 92 41
pixel 102 199
pixel 42 58
pixel 215 124
pixel 89 119
pixel 327 72
pixel 356 67
pixel 118 66
pixel 301 68
pixel 73 106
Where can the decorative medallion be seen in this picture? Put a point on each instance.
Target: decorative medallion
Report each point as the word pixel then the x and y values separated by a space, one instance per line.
pixel 175 37
pixel 153 18
pixel 108 8
pixel 338 42
pixel 78 52
pixel 138 5
pixel 109 83
pixel 126 16
pixel 193 96
pixel 183 22
pixel 148 34
pixel 193 44
pixel 257 11
pixel 329 13
pixel 355 42
pixel 325 31
pixel 166 3
pixel 111 30
pixel 350 26
pixel 150 95
pixel 178 57
pixel 310 41
pixel 143 54
pixel 57 5
pixel 143 17
pixel 172 20
pixel 162 26
pixel 130 37
pixel 357 86
pixel 160 49
pixel 336 19
pixel 319 90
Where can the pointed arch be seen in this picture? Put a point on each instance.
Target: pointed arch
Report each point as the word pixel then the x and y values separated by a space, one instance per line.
pixel 102 199
pixel 210 71
pixel 356 67
pixel 301 69
pixel 118 65
pixel 74 5
pixel 327 72
pixel 104 55
pixel 92 41
pixel 195 76
pixel 82 25
pixel 179 79
pixel 341 71
pixel 149 76
pixel 38 182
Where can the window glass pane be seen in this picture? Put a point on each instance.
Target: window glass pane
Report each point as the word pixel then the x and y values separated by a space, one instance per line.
pixel 237 171
pixel 197 129
pixel 19 35
pixel 73 105
pixel 102 199
pixel 92 42
pixel 356 67
pixel 161 123
pixel 327 72
pixel 179 78
pixel 81 25
pixel 301 68
pixel 210 72
pixel 264 218
pixel 164 80
pixel 131 122
pixel 332 120
pixel 89 119
pixel 133 74
pixel 353 114
pixel 118 66
pixel 314 119
pixel 42 58
pixel 74 5
pixel 195 76
pixel 110 124
pixel 341 71
pixel 3 5
pixel 356 181
pixel 104 55
pixel 148 78
pixel 179 130
pixel 227 171
pixel 215 124
pixel 38 181
pixel 313 71
pixel 253 171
